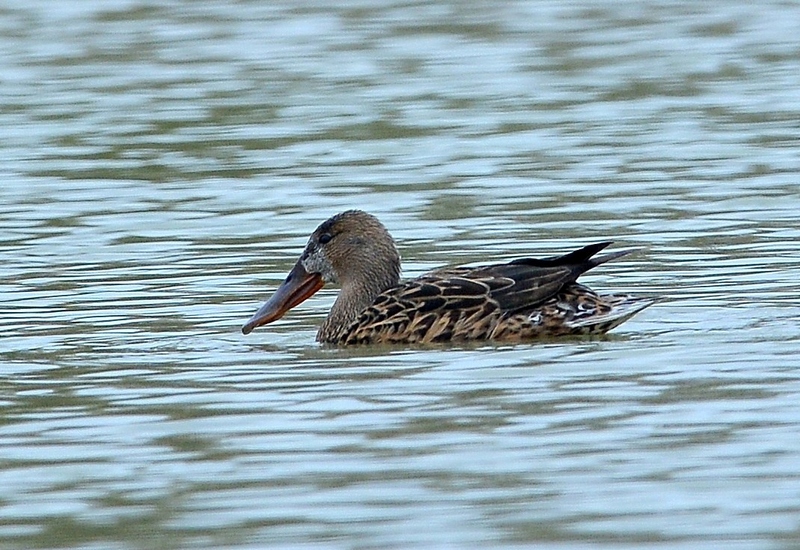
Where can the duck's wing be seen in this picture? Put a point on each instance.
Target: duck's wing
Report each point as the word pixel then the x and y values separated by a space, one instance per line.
pixel 467 303
pixel 534 280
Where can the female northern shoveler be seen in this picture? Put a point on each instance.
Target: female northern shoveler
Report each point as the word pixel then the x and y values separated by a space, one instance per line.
pixel 520 300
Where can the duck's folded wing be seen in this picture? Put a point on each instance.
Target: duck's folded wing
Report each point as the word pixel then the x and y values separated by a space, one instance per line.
pixel 536 280
pixel 530 285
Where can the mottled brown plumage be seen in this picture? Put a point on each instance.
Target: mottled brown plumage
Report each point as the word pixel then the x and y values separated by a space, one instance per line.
pixel 520 300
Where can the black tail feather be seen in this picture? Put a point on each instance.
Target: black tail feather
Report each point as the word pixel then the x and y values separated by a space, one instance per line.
pixel 608 257
pixel 580 257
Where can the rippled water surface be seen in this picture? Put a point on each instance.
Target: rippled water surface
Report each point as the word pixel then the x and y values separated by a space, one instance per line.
pixel 162 164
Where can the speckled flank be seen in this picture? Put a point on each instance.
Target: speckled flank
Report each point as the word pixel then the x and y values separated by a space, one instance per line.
pixel 576 310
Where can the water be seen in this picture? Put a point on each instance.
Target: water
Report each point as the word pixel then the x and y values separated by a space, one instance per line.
pixel 163 164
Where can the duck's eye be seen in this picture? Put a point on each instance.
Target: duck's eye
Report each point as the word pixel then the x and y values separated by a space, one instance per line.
pixel 325 238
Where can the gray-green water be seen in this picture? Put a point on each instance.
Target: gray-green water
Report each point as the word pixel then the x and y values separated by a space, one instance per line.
pixel 162 163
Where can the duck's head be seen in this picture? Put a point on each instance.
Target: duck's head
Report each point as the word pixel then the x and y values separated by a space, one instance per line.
pixel 353 249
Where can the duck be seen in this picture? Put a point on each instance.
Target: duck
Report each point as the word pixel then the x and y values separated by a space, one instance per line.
pixel 525 299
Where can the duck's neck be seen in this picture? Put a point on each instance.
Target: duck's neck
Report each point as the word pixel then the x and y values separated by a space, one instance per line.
pixel 354 298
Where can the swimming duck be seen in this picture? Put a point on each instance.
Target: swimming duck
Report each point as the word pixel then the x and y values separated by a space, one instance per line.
pixel 521 300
